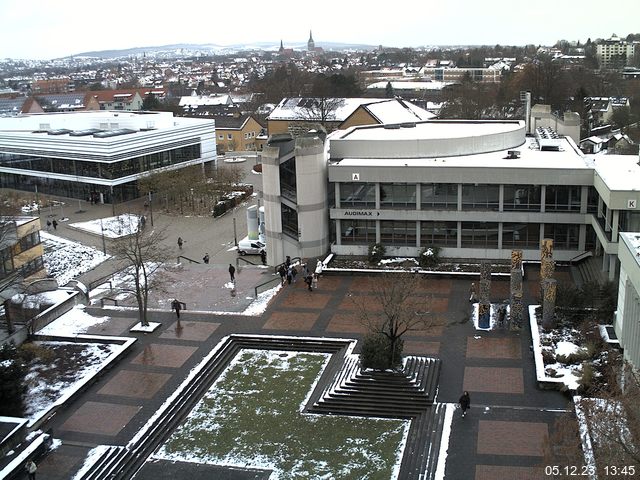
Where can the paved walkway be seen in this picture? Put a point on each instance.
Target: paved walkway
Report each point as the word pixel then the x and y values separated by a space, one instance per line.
pixel 501 437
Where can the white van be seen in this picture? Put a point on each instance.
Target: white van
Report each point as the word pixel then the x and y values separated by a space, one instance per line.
pixel 250 247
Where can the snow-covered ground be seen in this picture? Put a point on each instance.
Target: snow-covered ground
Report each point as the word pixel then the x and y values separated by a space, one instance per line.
pixel 65 259
pixel 113 227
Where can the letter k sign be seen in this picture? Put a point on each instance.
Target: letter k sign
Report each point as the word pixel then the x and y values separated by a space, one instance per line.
pixel 632 203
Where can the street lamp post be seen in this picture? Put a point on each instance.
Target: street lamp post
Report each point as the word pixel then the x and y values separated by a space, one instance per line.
pixel 104 244
pixel 151 208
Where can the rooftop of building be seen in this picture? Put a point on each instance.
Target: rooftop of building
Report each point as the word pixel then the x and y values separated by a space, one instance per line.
pixel 618 172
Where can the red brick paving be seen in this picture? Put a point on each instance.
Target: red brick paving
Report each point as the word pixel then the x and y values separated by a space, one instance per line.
pixel 303 298
pixel 161 355
pixel 130 383
pixel 100 418
pixel 494 348
pixel 493 380
pixel 329 282
pixel 498 472
pixel 200 331
pixel 346 323
pixel 297 321
pixel 511 438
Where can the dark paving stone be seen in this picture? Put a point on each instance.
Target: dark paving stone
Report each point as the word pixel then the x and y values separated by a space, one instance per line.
pixel 493 379
pixel 100 418
pixel 161 355
pixel 512 438
pixel 486 347
pixel 188 330
pixel 135 384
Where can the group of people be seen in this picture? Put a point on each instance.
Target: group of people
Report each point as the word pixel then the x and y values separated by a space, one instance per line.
pixel 288 273
pixel 50 223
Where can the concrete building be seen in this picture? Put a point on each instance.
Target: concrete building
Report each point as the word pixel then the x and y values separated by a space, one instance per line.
pixel 627 321
pixel 99 154
pixel 20 250
pixel 615 52
pixel 476 189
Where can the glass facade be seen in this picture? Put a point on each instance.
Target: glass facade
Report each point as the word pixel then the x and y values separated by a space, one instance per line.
pixel 289 221
pixel 401 196
pixel 562 198
pixel 565 237
pixel 440 196
pixel 357 195
pixel 358 232
pixel 438 234
pixel 480 197
pixel 479 235
pixel 520 235
pixel 288 180
pixel 101 170
pixel 522 198
pixel 398 232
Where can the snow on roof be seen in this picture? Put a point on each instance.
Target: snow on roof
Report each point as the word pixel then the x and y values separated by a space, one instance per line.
pixel 530 157
pixel 200 100
pixel 396 111
pixel 297 108
pixel 619 172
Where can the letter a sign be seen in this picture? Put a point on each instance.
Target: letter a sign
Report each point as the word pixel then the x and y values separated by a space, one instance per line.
pixel 355 177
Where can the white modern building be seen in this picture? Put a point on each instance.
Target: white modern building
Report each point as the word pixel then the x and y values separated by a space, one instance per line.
pixel 99 154
pixel 627 321
pixel 615 52
pixel 477 189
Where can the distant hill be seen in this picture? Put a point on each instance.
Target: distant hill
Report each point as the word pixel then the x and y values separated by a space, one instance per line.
pixel 189 49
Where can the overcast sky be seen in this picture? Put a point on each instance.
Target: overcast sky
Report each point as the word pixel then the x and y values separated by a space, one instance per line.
pixel 45 29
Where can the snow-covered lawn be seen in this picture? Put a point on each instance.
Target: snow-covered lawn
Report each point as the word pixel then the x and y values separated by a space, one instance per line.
pixel 59 366
pixel 113 227
pixel 251 417
pixel 66 260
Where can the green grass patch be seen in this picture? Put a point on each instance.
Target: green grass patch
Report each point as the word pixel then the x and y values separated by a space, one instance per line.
pixel 251 417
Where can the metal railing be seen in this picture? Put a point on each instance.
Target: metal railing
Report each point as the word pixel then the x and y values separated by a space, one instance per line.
pixel 186 258
pixel 268 282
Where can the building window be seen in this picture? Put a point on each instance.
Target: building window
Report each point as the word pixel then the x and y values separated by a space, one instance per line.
pixel 439 196
pixel 479 235
pixel 289 221
pixel 564 236
pixel 29 241
pixel 357 195
pixel 399 196
pixel 522 197
pixel 220 137
pixel 480 197
pixel 521 235
pixel 562 198
pixel 398 232
pixel 229 136
pixel 360 232
pixel 438 234
pixel 592 200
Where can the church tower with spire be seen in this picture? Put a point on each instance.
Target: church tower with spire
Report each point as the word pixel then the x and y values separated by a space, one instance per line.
pixel 311 45
pixel 281 47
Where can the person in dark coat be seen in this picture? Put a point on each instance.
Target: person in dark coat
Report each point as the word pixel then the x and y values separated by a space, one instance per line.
pixel 31 469
pixel 465 402
pixel 55 225
pixel 263 256
pixel 175 305
pixel 308 279
pixel 180 242
pixel 283 274
pixel 287 262
pixel 48 225
pixel 205 259
pixel 232 272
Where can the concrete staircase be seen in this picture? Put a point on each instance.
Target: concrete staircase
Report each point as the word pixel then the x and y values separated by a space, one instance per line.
pixel 588 270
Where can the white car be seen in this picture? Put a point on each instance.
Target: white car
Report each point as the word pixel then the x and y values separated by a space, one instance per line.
pixel 250 247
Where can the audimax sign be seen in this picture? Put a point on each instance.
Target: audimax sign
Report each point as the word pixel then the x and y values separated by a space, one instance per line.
pixel 361 213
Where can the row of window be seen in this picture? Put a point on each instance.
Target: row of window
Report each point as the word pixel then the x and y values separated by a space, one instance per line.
pixel 247 136
pixel 113 170
pixel 445 234
pixel 444 196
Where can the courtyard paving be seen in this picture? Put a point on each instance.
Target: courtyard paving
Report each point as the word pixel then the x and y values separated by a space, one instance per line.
pixel 501 438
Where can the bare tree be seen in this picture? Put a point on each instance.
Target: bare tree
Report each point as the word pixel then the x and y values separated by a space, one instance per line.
pixel 321 110
pixel 144 253
pixel 396 306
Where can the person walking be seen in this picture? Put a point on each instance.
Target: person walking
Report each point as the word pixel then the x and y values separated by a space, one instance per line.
pixel 283 274
pixel 205 259
pixel 232 273
pixel 308 279
pixel 465 402
pixel 55 225
pixel 31 469
pixel 472 293
pixel 48 225
pixel 175 305
pixel 289 274
pixel 263 256
pixel 180 242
